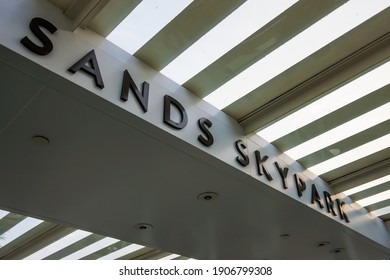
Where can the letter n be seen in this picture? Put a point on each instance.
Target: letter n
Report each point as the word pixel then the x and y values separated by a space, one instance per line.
pixel 142 98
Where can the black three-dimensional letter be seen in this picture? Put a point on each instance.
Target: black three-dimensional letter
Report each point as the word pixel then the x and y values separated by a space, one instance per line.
pixel 300 184
pixel 340 205
pixel 261 170
pixel 283 173
pixel 92 70
pixel 329 203
pixel 204 124
pixel 244 159
pixel 168 101
pixel 47 45
pixel 142 98
pixel 315 197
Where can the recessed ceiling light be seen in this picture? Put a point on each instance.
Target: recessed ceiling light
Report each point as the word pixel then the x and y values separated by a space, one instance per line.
pixel 40 139
pixel 208 196
pixel 322 243
pixel 337 250
pixel 143 226
pixel 335 152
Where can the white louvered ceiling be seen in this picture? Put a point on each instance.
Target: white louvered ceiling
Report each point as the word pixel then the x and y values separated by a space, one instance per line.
pixel 311 77
pixel 28 238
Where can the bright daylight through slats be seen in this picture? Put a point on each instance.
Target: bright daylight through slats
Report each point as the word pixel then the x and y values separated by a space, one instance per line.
pixel 352 155
pixel 319 35
pixel 58 245
pixel 103 243
pixel 122 252
pixel 235 28
pixel 170 257
pixel 341 132
pixel 382 211
pixel 144 22
pixel 358 88
pixel 374 198
pixel 3 214
pixel 19 229
pixel 367 185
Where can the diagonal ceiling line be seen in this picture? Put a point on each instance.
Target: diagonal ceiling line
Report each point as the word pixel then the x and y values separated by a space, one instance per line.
pixel 184 30
pixel 320 34
pixel 242 23
pixel 152 16
pixel 58 245
pixel 336 99
pixel 341 132
pixel 367 185
pixel 352 155
pixel 287 97
pixel 360 176
pixel 37 242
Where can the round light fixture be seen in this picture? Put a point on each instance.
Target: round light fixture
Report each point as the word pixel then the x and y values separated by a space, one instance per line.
pixel 143 227
pixel 337 250
pixel 322 243
pixel 335 152
pixel 208 196
pixel 40 140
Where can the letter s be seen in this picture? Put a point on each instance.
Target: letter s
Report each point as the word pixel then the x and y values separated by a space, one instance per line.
pixel 204 124
pixel 47 45
pixel 240 147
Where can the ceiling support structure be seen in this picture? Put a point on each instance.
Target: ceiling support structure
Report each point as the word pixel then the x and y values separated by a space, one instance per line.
pixel 312 88
pixel 361 176
pixel 82 12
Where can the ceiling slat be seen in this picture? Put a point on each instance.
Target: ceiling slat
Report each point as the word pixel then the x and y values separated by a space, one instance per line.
pixel 74 247
pixel 371 191
pixel 362 176
pixel 105 251
pixel 32 241
pixel 348 56
pixel 334 119
pixel 262 42
pixel 9 221
pixel 46 234
pixel 198 18
pixel 111 15
pixel 385 217
pixel 138 254
pixel 346 145
pixel 356 165
pixel 378 205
